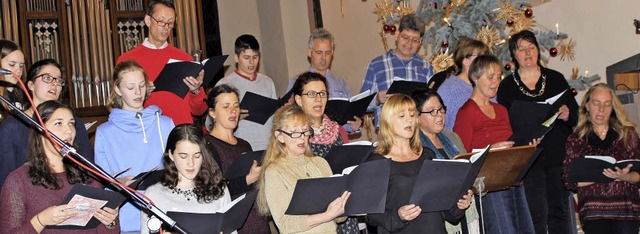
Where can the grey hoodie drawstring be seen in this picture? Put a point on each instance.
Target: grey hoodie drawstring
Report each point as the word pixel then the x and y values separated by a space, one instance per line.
pixel 144 133
pixel 159 130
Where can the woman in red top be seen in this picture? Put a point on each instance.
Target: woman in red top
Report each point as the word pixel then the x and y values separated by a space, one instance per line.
pixel 481 122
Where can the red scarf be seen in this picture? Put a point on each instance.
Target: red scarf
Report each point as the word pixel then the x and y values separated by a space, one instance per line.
pixel 329 134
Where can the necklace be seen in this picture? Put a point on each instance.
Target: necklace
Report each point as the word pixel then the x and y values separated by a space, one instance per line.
pixel 601 134
pixel 544 82
pixel 187 193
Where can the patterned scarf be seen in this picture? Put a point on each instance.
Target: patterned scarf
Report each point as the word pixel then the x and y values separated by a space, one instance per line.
pixel 448 146
pixel 329 134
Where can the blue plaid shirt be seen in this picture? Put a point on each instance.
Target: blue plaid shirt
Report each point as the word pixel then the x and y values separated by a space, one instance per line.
pixel 382 69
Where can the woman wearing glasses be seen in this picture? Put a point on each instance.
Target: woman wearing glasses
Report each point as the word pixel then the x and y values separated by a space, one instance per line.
pixel 45 82
pixel 310 93
pixel 287 159
pixel 444 143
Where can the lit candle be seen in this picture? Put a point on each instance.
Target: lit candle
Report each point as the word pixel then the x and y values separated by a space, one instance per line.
pixel 586 73
pixel 557 29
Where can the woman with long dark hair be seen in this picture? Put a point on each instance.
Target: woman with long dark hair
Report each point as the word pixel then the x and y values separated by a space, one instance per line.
pixel 31 194
pixel 192 181
pixel 11 59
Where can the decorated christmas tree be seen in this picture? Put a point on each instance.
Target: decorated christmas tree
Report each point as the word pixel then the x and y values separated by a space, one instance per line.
pixel 489 21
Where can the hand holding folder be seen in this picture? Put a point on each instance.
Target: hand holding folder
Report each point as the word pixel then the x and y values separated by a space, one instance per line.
pixel 504 168
pixel 343 110
pixel 590 168
pixel 367 183
pixel 261 108
pixel 86 200
pixel 170 78
pixel 227 219
pixel 441 183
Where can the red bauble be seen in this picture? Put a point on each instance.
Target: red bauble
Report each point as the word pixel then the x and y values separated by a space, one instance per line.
pixel 445 44
pixel 510 21
pixel 392 28
pixel 528 12
pixel 386 28
pixel 553 51
pixel 507 67
pixel 574 91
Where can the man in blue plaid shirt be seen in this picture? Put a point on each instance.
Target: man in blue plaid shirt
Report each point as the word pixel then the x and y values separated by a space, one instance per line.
pixel 402 62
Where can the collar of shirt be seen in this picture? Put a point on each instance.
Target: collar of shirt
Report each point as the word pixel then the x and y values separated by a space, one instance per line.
pixel 246 77
pixel 327 75
pixel 394 55
pixel 148 44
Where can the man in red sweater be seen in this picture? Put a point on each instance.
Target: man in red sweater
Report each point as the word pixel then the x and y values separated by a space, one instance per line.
pixel 154 53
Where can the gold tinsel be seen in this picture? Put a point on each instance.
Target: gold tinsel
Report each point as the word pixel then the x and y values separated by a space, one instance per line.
pixel 506 10
pixel 567 50
pixel 458 2
pixel 489 36
pixel 383 37
pixel 383 9
pixel 441 61
pixel 404 8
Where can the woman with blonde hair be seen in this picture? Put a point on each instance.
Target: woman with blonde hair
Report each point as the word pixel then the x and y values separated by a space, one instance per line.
pixel 399 140
pixel 134 137
pixel 604 129
pixel 287 159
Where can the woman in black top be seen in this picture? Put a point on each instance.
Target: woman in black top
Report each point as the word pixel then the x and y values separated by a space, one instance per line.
pixel 533 83
pixel 399 141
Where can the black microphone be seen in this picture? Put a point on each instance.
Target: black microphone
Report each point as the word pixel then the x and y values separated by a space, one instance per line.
pixel 5 71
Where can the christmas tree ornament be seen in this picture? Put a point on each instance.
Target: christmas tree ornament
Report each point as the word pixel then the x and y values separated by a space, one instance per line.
pixel 507 67
pixel 510 22
pixel 442 61
pixel 553 52
pixel 458 2
pixel 489 36
pixel 386 27
pixel 404 8
pixel 567 50
pixel 445 44
pixel 574 91
pixel 506 10
pixel 393 29
pixel 528 12
pixel 523 23
pixel 384 10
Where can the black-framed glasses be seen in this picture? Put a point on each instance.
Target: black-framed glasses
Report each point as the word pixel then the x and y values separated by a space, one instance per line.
pixel 48 78
pixel 295 135
pixel 162 23
pixel 314 94
pixel 434 112
pixel 415 40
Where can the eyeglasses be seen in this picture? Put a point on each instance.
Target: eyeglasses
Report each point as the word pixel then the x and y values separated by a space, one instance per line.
pixel 415 40
pixel 295 135
pixel 314 94
pixel 48 78
pixel 162 23
pixel 434 112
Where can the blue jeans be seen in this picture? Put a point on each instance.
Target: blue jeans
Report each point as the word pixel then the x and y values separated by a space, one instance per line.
pixel 507 212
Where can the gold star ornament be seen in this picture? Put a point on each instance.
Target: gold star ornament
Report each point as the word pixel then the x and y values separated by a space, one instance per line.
pixel 566 50
pixel 441 61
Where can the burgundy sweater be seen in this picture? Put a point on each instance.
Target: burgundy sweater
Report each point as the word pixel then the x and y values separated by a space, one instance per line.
pixel 614 200
pixel 20 201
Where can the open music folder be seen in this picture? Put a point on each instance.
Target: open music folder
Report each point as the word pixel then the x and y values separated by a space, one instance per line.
pixel 87 200
pixel 367 183
pixel 527 118
pixel 590 168
pixel 261 108
pixel 504 168
pixel 441 183
pixel 242 166
pixel 227 219
pixel 404 86
pixel 343 109
pixel 340 157
pixel 172 74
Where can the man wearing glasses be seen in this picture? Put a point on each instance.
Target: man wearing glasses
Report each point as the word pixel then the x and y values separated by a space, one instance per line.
pixel 154 53
pixel 402 62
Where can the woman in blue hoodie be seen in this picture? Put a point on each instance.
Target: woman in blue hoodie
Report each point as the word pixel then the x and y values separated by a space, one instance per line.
pixel 134 137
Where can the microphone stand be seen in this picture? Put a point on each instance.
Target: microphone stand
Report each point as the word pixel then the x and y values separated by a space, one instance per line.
pixel 67 150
